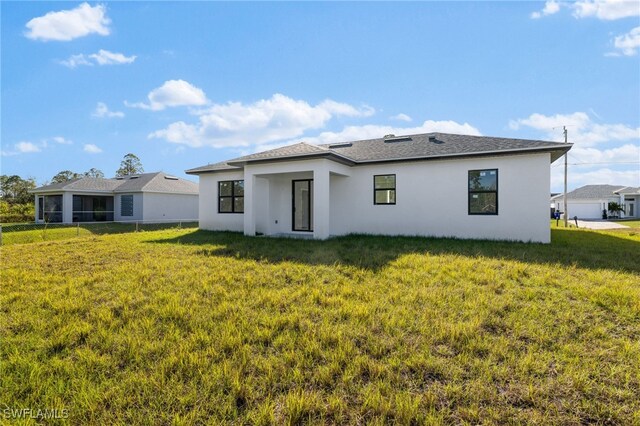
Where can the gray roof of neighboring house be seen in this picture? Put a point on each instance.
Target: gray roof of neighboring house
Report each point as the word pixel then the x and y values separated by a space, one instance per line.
pixel 144 182
pixel 629 190
pixel 392 148
pixel 591 192
pixel 82 184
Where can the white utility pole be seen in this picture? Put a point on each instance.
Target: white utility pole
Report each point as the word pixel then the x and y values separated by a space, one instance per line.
pixel 566 219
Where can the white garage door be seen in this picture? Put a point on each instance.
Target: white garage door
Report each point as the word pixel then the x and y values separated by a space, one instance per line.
pixel 585 210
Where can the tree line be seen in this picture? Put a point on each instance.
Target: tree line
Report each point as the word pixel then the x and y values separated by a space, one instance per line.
pixel 17 204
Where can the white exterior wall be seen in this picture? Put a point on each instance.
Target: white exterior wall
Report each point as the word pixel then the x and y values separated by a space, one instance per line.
pixel 137 207
pixel 169 207
pixel 431 198
pixel 208 215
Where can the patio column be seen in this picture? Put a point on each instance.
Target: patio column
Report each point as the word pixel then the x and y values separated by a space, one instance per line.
pixel 37 209
pixel 67 207
pixel 321 207
pixel 249 203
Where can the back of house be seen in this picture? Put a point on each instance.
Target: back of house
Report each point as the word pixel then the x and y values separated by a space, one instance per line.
pixel 433 184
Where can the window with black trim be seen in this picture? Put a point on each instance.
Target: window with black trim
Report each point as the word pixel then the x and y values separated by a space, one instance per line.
pixel 231 196
pixel 384 189
pixel 483 192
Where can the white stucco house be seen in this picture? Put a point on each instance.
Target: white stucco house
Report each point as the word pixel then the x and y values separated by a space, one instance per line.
pixel 588 202
pixel 144 197
pixel 432 184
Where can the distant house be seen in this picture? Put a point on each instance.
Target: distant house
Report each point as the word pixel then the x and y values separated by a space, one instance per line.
pixel 143 197
pixel 433 184
pixel 588 202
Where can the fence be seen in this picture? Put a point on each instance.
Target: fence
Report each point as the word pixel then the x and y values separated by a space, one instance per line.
pixel 20 233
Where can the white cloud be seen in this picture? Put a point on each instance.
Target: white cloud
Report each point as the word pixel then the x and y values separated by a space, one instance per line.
pixel 171 94
pixel 581 129
pixel 550 7
pixel 339 108
pixel 401 117
pixel 625 154
pixel 103 57
pixel 27 147
pixel 627 44
pixel 268 120
pixel 92 149
pixel 67 25
pixel 102 111
pixel 76 60
pixel 593 159
pixel 373 131
pixel 61 140
pixel 579 176
pixel 606 9
pixel 24 147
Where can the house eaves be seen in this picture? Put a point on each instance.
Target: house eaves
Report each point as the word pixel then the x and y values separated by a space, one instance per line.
pixel 561 149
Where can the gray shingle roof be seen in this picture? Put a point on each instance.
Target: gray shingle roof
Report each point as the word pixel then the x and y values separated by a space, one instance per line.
pixel 82 184
pixel 161 182
pixel 591 192
pixel 444 144
pixel 419 146
pixel 629 190
pixel 212 167
pixel 153 182
pixel 298 149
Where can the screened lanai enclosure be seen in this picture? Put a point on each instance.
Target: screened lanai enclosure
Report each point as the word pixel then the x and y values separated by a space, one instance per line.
pixel 50 208
pixel 92 208
pixel 86 208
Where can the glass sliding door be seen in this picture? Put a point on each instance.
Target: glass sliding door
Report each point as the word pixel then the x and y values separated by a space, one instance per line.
pixel 302 219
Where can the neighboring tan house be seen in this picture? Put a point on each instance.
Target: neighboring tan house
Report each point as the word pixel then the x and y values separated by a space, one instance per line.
pixel 432 184
pixel 589 201
pixel 143 197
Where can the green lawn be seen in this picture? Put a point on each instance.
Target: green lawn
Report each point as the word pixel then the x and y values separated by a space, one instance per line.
pixel 631 223
pixel 22 233
pixel 194 327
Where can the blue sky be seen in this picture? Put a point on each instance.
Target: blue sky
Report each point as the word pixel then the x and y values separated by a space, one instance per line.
pixel 186 84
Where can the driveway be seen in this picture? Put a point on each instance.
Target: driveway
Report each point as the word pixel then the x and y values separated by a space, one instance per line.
pixel 599 224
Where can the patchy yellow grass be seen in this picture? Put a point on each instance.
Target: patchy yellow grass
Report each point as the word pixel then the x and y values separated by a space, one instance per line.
pixel 192 327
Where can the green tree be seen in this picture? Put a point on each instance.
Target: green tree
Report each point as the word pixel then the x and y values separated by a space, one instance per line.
pixel 64 176
pixel 15 190
pixel 94 173
pixel 130 165
pixel 614 207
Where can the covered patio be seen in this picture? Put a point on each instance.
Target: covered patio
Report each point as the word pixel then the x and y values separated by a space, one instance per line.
pixel 290 199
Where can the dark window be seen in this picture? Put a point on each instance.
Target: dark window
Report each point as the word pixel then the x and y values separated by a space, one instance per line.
pixel 126 205
pixel 53 208
pixel 231 196
pixel 483 191
pixel 384 189
pixel 40 208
